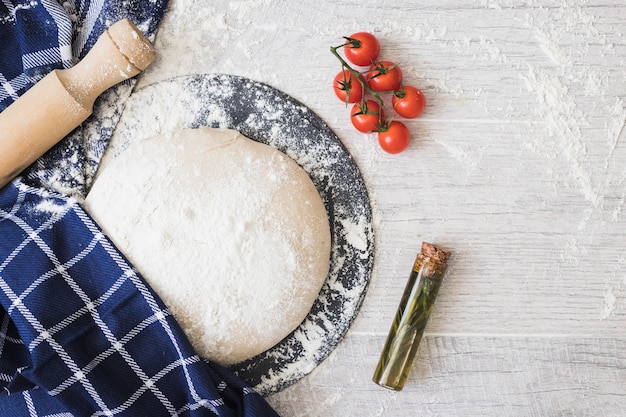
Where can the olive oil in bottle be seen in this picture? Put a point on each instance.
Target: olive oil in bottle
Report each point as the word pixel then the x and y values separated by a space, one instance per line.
pixel 411 317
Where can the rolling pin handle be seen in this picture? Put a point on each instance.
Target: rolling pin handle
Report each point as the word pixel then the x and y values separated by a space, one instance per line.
pixel 63 99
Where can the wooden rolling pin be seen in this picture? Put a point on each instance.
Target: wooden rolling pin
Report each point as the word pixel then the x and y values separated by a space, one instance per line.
pixel 63 99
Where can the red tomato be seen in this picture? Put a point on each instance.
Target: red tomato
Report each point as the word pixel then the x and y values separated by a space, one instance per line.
pixel 362 48
pixel 347 89
pixel 366 117
pixel 409 102
pixel 384 76
pixel 394 138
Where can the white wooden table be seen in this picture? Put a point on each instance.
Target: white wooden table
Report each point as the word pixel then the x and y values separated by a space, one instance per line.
pixel 518 166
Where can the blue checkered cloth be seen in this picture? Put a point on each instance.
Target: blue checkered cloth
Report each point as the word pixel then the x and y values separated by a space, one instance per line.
pixel 81 332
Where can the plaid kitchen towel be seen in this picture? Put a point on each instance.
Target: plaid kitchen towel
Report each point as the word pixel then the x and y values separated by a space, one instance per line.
pixel 81 333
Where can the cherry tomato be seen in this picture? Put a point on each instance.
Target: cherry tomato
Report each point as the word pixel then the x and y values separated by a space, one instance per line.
pixel 365 117
pixel 408 102
pixel 384 76
pixel 347 89
pixel 394 138
pixel 362 48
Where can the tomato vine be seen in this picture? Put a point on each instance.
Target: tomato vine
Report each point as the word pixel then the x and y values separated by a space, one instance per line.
pixel 378 79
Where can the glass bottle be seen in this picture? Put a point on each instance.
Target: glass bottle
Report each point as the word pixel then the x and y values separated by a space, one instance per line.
pixel 411 317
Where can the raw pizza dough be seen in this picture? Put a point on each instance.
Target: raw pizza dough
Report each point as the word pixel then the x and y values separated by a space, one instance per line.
pixel 231 233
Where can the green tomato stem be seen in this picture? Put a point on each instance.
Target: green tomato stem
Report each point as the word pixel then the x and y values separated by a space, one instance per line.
pixel 357 75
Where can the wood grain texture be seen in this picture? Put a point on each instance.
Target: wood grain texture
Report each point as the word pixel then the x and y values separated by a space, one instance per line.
pixel 517 166
pixel 470 376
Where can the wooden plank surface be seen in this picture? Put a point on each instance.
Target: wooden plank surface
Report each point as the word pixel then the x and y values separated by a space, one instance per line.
pixel 518 166
pixel 470 376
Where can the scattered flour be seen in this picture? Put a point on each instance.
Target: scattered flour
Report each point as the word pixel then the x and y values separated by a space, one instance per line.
pixel 51 206
pixel 608 304
pixel 236 103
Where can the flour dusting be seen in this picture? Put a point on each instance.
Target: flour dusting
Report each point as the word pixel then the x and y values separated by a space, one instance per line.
pixel 608 304
pixel 268 116
pixel 51 206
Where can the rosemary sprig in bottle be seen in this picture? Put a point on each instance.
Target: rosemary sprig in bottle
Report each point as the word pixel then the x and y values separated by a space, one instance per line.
pixel 410 321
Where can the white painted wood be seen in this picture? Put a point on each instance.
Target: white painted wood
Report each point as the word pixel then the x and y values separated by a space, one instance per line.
pixel 518 166
pixel 470 376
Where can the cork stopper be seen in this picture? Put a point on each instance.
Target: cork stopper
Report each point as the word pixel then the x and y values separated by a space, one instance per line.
pixel 432 259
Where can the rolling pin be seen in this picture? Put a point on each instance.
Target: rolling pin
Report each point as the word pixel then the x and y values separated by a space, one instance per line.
pixel 63 99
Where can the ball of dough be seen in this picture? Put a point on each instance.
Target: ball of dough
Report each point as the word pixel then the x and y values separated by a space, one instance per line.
pixel 231 233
